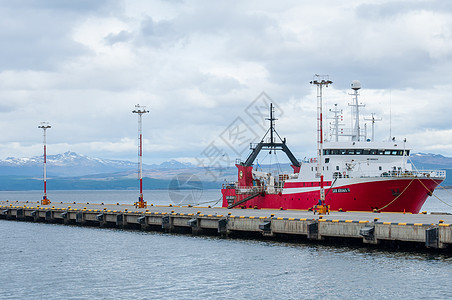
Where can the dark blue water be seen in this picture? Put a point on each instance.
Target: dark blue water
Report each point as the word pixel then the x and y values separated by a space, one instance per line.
pixel 45 261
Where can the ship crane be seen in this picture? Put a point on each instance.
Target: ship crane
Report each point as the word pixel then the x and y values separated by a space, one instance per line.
pixel 271 144
pixel 245 189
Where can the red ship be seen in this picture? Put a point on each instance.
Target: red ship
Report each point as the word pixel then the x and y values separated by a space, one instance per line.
pixel 358 174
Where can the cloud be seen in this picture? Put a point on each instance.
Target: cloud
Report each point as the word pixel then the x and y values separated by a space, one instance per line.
pixel 394 9
pixel 122 36
pixel 197 65
pixel 36 35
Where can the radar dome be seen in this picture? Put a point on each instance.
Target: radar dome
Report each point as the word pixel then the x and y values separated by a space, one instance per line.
pixel 356 85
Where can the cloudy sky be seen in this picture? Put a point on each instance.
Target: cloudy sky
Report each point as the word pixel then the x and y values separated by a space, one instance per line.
pixel 200 67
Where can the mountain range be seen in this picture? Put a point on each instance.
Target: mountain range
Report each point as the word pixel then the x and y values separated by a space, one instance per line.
pixel 70 170
pixel 73 164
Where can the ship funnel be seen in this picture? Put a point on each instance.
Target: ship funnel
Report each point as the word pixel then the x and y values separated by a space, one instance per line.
pixel 356 85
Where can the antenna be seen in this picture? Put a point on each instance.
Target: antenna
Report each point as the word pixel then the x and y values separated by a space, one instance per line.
pixel 337 115
pixel 373 119
pixel 320 81
pixel 356 85
pixel 140 110
pixel 390 115
pixel 44 126
pixel 272 122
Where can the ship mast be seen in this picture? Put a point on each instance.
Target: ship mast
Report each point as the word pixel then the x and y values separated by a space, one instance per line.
pixel 320 81
pixel 356 85
pixel 336 117
pixel 373 119
pixel 272 122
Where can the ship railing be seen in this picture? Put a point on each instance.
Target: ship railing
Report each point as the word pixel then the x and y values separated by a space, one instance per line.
pixel 425 174
pixel 229 185
pixel 407 174
pixel 249 189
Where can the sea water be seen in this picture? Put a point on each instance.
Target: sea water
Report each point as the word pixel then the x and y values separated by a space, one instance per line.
pixel 50 261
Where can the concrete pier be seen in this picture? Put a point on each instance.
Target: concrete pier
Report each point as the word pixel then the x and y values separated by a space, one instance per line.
pixel 424 230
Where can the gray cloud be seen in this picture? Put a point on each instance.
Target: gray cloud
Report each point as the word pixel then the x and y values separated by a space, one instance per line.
pixel 121 37
pixel 197 65
pixel 36 35
pixel 58 5
pixel 392 9
pixel 159 34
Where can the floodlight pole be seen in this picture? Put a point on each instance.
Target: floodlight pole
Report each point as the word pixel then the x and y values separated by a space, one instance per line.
pixel 320 81
pixel 140 110
pixel 45 126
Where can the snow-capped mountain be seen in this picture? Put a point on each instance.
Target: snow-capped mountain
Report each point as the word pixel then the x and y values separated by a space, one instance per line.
pixel 73 164
pixel 65 159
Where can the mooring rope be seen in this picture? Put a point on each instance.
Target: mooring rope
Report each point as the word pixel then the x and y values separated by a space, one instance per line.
pixel 397 196
pixel 430 192
pixel 211 202
pixel 438 184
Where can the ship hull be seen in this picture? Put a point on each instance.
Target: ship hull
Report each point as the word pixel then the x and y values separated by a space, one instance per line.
pixel 368 194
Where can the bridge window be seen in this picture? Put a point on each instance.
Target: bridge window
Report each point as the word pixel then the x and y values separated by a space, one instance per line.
pixel 364 152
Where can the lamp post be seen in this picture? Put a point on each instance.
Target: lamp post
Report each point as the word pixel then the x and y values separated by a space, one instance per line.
pixel 320 81
pixel 140 110
pixel 45 126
